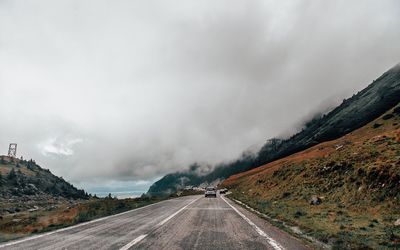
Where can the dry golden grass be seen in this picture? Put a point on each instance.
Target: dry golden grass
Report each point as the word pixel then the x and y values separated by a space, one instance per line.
pixel 356 176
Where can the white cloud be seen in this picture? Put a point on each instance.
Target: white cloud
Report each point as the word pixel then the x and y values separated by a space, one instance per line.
pixel 153 86
pixel 59 146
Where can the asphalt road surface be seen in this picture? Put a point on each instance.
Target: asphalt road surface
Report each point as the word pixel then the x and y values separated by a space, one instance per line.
pixel 191 222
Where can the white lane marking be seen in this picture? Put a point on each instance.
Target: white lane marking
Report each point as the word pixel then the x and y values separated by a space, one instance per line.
pixel 294 230
pixel 177 212
pixel 270 240
pixel 141 237
pixel 75 226
pixel 133 242
pixel 209 208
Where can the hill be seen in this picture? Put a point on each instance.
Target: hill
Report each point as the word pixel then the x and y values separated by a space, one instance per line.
pixel 33 200
pixel 380 96
pixel 344 192
pixel 23 182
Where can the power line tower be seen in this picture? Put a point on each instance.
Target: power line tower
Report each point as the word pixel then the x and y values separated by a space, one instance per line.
pixel 12 150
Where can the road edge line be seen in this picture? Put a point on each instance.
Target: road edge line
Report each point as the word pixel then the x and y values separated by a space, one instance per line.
pixel 294 234
pixel 270 240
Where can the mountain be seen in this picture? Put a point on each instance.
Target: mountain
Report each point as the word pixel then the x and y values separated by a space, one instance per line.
pixel 363 107
pixel 194 176
pixel 25 180
pixel 344 192
pixel 353 113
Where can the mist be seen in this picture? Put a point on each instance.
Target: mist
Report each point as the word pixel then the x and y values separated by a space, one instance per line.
pixel 118 93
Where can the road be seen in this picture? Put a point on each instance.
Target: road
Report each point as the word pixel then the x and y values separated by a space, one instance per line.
pixel 191 222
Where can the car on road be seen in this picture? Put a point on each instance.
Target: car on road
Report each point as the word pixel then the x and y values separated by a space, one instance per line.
pixel 210 192
pixel 223 191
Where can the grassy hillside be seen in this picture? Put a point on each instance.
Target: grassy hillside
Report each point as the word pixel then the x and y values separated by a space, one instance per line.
pixel 356 180
pixel 381 95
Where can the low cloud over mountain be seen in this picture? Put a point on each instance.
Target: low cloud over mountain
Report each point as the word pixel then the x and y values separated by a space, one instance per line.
pixel 130 91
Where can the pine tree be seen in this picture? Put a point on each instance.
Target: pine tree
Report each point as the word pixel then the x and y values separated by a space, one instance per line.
pixel 12 175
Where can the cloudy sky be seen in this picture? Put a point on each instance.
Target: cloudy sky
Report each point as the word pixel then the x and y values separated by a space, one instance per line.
pixel 119 93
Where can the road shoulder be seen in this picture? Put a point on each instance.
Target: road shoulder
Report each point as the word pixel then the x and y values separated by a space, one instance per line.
pixel 283 238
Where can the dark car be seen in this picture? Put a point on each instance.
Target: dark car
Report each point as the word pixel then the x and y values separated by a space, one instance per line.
pixel 223 191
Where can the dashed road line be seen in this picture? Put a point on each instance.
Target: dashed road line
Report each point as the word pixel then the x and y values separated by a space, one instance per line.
pixel 141 237
pixel 133 242
pixel 177 212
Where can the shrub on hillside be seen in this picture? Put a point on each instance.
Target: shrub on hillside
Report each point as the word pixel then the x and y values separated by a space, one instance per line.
pixel 387 116
pixel 12 175
pixel 397 110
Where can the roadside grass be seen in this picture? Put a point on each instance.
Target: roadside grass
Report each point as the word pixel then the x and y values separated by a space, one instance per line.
pixel 358 184
pixel 338 227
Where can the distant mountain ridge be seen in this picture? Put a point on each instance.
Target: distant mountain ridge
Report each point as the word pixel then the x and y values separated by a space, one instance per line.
pixel 362 108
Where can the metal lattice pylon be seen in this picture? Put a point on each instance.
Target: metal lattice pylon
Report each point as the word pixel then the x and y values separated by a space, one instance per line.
pixel 12 150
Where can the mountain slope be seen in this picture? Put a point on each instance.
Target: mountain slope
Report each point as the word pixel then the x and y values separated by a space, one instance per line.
pixel 362 108
pixel 356 180
pixel 365 106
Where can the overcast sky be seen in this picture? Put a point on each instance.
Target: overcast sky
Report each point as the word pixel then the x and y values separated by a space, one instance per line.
pixel 119 93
